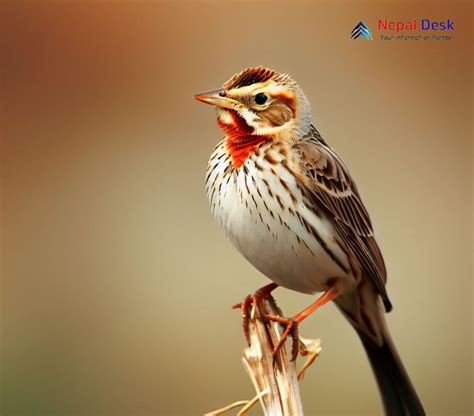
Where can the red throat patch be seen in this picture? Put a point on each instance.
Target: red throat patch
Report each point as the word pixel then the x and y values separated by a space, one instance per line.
pixel 240 140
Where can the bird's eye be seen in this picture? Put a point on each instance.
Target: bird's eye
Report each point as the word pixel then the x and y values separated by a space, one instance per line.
pixel 261 98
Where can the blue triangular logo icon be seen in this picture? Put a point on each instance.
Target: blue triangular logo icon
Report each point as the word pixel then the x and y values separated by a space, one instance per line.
pixel 361 30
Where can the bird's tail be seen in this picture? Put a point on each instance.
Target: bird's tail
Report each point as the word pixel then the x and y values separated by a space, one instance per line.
pixel 398 394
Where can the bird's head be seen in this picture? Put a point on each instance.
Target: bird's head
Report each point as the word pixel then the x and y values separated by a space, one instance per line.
pixel 260 102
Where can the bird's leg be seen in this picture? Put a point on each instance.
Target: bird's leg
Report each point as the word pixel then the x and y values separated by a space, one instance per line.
pixel 291 324
pixel 257 299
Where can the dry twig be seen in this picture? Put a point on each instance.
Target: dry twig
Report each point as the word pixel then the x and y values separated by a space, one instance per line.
pixel 274 376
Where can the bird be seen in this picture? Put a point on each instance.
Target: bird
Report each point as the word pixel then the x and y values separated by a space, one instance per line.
pixel 290 206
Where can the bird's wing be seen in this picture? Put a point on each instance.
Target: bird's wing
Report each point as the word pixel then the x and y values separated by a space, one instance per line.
pixel 330 185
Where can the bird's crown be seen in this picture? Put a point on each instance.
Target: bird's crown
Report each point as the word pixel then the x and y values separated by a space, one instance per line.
pixel 250 76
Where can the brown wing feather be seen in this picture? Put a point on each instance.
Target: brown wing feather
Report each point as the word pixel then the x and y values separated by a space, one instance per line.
pixel 331 185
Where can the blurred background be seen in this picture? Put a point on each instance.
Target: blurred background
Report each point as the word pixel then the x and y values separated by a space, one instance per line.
pixel 116 282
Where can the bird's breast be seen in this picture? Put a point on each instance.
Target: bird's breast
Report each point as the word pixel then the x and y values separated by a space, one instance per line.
pixel 265 214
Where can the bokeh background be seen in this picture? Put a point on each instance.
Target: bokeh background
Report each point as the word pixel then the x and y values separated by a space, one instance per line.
pixel 116 282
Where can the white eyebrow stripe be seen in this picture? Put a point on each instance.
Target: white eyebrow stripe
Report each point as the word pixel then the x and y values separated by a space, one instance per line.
pixel 269 87
pixel 249 90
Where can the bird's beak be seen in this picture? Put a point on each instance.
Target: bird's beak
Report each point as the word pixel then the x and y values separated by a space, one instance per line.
pixel 218 98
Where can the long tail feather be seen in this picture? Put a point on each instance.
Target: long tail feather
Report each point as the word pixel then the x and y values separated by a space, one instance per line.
pixel 398 394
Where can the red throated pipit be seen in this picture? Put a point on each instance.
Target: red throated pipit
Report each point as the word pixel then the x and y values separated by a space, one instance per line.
pixel 289 204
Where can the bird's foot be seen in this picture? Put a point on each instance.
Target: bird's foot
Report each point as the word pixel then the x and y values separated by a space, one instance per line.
pixel 291 329
pixel 256 300
pixel 291 324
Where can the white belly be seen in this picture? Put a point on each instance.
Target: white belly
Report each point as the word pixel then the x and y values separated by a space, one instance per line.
pixel 271 226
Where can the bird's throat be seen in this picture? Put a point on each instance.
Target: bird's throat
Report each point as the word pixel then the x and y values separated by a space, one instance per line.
pixel 241 140
pixel 241 149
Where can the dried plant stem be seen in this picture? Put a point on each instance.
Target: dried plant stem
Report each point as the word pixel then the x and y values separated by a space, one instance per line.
pixel 274 377
pixel 269 372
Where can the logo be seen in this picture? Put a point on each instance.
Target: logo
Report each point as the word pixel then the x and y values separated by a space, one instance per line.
pixel 363 30
pixel 411 29
pixel 412 25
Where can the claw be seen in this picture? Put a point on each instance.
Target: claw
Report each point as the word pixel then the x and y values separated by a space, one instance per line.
pixel 250 300
pixel 256 300
pixel 244 307
pixel 291 329
pixel 296 342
